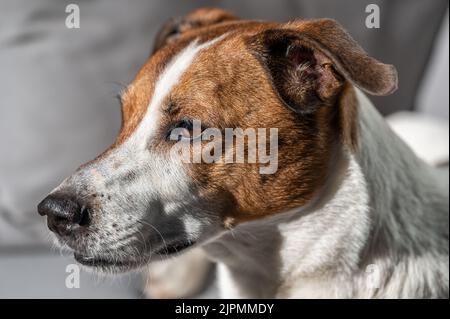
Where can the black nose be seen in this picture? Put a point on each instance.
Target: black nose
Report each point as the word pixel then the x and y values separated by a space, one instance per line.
pixel 64 213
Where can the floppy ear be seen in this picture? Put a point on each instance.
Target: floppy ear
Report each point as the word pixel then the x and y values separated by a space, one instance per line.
pixel 309 62
pixel 173 28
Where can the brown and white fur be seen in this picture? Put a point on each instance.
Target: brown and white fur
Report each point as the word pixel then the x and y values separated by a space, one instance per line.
pixel 348 197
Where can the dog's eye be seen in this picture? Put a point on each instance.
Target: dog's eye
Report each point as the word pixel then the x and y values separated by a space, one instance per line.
pixel 185 130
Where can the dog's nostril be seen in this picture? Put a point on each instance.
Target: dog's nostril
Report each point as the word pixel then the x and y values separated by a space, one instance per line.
pixel 84 217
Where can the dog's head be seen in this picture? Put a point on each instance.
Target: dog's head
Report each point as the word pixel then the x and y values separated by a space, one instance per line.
pixel 288 88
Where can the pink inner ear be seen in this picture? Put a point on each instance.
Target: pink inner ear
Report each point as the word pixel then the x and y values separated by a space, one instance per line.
pixel 301 55
pixel 304 60
pixel 316 67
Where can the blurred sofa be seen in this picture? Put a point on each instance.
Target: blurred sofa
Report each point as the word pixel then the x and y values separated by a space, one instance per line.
pixel 58 106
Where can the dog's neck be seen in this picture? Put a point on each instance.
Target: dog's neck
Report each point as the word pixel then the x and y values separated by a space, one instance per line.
pixel 355 229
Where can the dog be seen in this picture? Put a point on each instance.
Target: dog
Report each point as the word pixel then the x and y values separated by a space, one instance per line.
pixel 350 212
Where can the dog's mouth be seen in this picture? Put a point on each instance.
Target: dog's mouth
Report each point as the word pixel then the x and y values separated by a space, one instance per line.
pixel 174 248
pixel 110 262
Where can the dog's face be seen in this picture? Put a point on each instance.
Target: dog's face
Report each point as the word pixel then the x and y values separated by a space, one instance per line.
pixel 141 199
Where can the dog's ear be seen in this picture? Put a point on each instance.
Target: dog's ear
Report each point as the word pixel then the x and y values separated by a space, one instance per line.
pixel 309 62
pixel 173 28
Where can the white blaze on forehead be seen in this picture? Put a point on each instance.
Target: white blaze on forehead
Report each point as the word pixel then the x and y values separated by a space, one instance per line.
pixel 165 83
